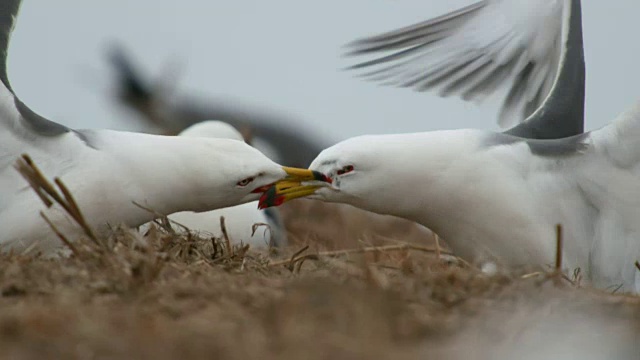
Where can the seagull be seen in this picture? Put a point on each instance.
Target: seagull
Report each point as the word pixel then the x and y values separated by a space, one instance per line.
pixel 272 132
pixel 497 198
pixel 529 51
pixel 109 172
pixel 240 219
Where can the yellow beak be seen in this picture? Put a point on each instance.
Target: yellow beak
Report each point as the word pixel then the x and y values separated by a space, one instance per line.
pixel 291 187
pixel 296 174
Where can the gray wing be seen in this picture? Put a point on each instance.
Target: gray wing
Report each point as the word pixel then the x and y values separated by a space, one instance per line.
pixel 492 46
pixel 18 116
pixel 295 147
pixel 562 112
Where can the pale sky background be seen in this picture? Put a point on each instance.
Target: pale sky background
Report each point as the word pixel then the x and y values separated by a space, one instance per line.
pixel 281 53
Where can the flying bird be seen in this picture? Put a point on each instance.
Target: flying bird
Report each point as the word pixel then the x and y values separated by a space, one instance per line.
pixel 531 52
pixel 107 171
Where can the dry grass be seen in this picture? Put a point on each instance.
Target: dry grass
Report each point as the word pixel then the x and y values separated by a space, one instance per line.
pixel 161 295
pixel 166 296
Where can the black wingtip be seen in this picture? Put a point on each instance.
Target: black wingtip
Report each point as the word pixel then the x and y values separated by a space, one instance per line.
pixel 131 84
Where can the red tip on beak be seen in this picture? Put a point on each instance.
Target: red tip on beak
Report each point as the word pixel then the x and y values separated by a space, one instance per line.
pixel 317 175
pixel 270 198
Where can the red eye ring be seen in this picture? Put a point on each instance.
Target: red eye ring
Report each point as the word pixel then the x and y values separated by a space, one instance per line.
pixel 344 170
pixel 245 182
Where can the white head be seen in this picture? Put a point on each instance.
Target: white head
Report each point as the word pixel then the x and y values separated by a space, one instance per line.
pixel 228 171
pixel 379 173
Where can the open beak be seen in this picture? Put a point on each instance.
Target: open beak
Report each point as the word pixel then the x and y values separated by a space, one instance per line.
pixel 293 186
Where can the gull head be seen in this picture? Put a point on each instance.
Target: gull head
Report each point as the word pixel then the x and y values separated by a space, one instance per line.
pixel 349 172
pixel 230 171
pixel 387 174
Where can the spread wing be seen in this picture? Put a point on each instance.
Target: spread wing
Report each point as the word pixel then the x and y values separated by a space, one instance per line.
pixel 515 47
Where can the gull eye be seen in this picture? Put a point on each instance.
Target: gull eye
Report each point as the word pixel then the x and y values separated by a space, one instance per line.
pixel 245 182
pixel 344 170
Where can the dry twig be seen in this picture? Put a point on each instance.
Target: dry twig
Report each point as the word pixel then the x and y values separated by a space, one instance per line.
pixel 255 227
pixel 49 195
pixel 225 235
pixel 559 247
pixel 293 260
pixel 436 239
pixel 165 222
pixel 62 238
pixel 289 263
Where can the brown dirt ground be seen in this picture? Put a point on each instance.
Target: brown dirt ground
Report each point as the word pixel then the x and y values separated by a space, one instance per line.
pixel 162 296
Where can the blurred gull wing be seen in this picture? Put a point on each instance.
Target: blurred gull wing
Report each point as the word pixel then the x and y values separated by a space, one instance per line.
pixel 294 145
pixel 532 50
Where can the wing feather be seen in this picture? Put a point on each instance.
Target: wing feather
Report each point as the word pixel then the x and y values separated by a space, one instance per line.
pixel 474 52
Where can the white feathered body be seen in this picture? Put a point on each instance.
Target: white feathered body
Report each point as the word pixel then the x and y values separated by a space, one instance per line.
pixel 165 174
pixel 498 198
pixel 508 204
